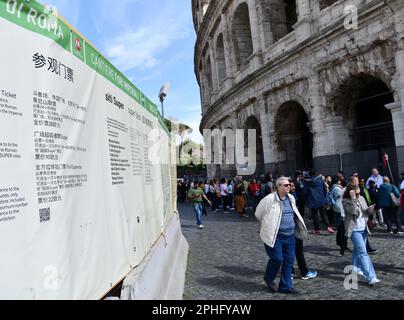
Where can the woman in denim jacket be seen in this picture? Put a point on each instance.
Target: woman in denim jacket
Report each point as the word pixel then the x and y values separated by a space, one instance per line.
pixel 356 215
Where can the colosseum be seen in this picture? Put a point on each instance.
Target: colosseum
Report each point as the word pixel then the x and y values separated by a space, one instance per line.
pixel 321 81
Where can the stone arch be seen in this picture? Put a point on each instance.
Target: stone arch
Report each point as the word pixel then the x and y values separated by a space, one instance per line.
pixel 360 100
pixel 242 37
pixel 279 16
pixel 220 59
pixel 292 96
pixel 249 110
pixel 378 63
pixel 293 138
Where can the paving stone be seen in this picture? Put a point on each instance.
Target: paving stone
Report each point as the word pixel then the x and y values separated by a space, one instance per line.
pixel 227 260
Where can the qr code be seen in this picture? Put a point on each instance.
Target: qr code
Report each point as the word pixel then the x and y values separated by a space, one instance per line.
pixel 44 215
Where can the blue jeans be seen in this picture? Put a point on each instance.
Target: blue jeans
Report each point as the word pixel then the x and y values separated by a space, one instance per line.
pixel 360 257
pixel 282 254
pixel 198 212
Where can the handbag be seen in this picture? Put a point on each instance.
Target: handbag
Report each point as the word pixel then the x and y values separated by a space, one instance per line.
pixel 395 200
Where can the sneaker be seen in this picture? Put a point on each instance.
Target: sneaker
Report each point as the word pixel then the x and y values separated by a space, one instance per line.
pixel 372 251
pixel 201 226
pixel 359 273
pixel 310 275
pixel 373 282
pixel 330 230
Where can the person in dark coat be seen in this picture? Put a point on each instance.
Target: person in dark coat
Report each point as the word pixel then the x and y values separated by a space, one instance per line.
pixel 390 212
pixel 315 192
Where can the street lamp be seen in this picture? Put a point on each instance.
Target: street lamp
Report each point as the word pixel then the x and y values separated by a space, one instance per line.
pixel 162 95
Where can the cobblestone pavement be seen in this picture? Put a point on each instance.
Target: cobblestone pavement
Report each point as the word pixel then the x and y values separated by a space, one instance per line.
pixel 227 260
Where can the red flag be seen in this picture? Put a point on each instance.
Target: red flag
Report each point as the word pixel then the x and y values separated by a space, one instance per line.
pixel 386 159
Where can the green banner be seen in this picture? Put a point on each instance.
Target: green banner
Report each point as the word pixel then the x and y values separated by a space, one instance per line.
pixel 35 17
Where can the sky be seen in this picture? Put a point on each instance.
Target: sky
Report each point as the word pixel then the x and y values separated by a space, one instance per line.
pixel 150 41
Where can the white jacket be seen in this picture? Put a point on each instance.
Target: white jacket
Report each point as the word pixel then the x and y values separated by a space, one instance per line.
pixel 269 213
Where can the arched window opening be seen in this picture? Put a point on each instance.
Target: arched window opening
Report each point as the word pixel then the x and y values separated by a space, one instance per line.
pixel 243 45
pixel 220 59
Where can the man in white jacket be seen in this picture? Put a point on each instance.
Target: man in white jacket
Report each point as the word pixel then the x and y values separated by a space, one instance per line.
pixel 281 222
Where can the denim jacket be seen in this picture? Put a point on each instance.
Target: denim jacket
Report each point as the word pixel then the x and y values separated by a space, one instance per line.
pixel 352 210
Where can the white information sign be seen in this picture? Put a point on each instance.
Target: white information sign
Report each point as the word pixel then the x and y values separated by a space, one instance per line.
pixel 82 199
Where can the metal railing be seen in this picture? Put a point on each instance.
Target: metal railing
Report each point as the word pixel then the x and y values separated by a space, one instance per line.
pixel 378 135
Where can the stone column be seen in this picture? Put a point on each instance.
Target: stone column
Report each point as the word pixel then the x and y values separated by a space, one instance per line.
pixel 267 143
pixel 203 84
pixel 398 82
pixel 215 80
pixel 330 135
pixel 264 25
pixel 228 82
pixel 337 135
pixel 304 19
pixel 316 121
pixel 232 167
pixel 256 60
pixel 397 114
pixel 303 8
pixel 271 152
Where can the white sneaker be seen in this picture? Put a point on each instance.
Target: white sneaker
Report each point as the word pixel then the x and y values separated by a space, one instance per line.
pixel 373 281
pixel 358 272
pixel 201 226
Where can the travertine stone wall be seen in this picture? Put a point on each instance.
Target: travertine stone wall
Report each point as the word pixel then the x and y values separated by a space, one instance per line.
pixel 260 69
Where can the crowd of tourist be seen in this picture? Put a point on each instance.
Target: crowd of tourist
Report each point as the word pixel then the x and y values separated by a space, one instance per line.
pixel 349 208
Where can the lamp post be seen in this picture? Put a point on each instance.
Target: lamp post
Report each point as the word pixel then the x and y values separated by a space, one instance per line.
pixel 162 95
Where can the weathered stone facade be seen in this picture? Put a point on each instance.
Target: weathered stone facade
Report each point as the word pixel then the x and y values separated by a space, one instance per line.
pixel 315 86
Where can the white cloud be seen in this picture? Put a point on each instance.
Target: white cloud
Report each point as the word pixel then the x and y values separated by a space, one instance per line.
pixel 68 9
pixel 142 45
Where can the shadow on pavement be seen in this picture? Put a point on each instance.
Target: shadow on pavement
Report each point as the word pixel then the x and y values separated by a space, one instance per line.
pixel 232 284
pixel 240 271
